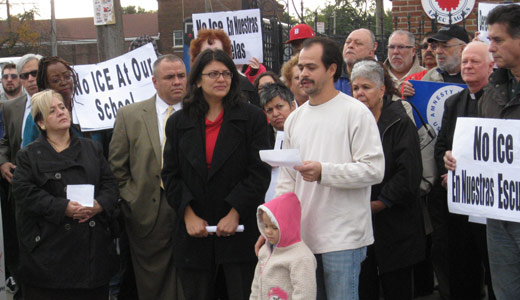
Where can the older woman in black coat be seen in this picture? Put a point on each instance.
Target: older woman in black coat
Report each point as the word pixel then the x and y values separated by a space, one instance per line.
pixel 213 175
pixel 397 218
pixel 66 248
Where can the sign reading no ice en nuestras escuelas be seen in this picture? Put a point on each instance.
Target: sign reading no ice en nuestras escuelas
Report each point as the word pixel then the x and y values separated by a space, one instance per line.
pixel 105 87
pixel 429 100
pixel 244 28
pixel 486 182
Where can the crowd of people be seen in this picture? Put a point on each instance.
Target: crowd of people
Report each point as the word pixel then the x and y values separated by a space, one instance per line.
pixel 175 202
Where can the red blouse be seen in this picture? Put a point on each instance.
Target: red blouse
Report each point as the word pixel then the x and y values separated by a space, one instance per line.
pixel 212 130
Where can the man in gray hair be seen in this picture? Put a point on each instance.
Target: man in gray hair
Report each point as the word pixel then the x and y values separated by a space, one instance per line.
pixel 15 113
pixel 402 61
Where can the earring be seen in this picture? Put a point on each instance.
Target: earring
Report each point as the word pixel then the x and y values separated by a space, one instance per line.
pixel 43 127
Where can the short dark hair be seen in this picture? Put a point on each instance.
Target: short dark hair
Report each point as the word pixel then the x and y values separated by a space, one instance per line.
pixel 167 57
pixel 509 16
pixel 271 74
pixel 272 90
pixel 194 103
pixel 8 66
pixel 331 53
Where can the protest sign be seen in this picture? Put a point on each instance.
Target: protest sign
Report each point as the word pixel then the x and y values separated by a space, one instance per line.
pixel 243 27
pixel 105 87
pixel 486 181
pixel 429 100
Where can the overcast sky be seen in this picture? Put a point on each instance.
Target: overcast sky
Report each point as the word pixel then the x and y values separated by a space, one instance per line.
pixel 85 8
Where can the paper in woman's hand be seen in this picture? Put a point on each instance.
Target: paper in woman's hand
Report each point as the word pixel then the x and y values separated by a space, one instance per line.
pixel 81 193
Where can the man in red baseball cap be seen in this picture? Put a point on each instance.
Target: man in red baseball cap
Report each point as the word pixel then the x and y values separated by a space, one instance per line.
pixel 297 35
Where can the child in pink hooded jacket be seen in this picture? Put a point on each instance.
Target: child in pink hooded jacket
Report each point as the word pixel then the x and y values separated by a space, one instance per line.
pixel 286 268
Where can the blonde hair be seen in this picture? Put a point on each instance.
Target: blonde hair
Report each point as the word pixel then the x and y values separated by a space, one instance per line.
pixel 287 69
pixel 41 104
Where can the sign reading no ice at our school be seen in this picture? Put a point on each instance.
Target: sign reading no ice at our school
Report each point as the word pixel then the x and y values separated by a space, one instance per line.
pixel 486 182
pixel 244 28
pixel 105 87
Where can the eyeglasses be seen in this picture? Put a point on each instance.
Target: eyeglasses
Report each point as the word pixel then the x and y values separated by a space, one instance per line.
pixel 443 46
pixel 13 76
pixel 399 47
pixel 56 80
pixel 216 74
pixel 25 75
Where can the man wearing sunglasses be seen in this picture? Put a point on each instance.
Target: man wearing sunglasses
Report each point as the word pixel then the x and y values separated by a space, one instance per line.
pixel 15 113
pixel 10 83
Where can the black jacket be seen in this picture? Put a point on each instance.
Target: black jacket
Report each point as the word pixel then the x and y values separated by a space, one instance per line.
pixel 455 106
pixel 56 251
pixel 237 178
pixel 398 229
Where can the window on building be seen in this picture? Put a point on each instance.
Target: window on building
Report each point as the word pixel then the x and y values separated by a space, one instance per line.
pixel 178 41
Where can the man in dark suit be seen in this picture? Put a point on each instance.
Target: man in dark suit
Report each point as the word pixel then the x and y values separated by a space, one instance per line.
pixel 15 113
pixel 136 160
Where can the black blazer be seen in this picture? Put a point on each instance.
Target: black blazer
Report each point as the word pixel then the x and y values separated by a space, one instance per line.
pixel 237 178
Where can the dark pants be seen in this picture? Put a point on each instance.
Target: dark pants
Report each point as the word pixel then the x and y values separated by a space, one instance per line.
pixel 396 284
pixel 36 293
pixel 459 252
pixel 227 281
pixel 469 264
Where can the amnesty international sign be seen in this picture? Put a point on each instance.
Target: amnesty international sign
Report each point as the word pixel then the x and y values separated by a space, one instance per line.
pixel 486 182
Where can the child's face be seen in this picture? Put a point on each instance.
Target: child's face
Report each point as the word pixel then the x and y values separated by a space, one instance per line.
pixel 271 231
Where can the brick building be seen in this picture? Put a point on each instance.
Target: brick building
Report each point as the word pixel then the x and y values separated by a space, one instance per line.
pixel 412 12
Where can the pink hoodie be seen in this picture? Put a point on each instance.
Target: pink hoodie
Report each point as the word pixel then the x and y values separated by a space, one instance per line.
pixel 285 212
pixel 288 271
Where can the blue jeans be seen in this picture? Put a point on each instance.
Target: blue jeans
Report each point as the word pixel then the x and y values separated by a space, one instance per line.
pixel 337 275
pixel 503 240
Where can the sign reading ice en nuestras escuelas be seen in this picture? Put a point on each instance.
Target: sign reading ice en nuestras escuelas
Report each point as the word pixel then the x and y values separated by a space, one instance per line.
pixel 443 9
pixel 486 182
pixel 105 87
pixel 243 27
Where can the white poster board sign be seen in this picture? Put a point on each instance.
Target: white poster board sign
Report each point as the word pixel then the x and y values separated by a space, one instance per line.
pixel 105 87
pixel 243 27
pixel 486 182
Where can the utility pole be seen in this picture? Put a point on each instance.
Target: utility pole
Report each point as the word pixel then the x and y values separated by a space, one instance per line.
pixel 8 16
pixel 379 18
pixel 110 38
pixel 54 43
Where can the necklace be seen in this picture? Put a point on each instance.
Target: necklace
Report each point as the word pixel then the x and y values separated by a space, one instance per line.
pixel 58 147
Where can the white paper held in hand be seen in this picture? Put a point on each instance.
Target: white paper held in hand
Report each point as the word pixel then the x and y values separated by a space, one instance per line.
pixel 81 193
pixel 288 158
pixel 240 228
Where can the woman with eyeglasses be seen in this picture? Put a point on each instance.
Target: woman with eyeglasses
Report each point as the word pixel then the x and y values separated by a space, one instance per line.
pixel 57 74
pixel 213 176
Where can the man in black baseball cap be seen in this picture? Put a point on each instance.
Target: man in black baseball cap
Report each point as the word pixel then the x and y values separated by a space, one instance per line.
pixel 446 33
